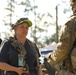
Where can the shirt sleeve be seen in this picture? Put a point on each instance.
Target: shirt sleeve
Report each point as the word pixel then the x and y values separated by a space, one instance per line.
pixel 66 40
pixel 4 52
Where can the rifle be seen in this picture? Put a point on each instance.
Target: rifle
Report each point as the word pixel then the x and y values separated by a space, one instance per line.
pixel 50 69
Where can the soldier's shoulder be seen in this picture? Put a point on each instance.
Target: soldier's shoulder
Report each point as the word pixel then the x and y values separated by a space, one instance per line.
pixel 71 19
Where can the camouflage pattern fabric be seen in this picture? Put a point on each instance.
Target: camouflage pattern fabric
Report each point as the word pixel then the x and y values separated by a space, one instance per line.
pixel 64 72
pixel 66 39
pixel 72 2
pixel 73 58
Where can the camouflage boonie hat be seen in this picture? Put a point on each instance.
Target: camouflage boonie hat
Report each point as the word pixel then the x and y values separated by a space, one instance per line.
pixel 72 2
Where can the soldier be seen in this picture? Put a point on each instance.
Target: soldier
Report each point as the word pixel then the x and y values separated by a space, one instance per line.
pixel 61 57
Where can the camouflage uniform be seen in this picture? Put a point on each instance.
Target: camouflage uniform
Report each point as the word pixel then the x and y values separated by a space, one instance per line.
pixel 66 40
pixel 72 2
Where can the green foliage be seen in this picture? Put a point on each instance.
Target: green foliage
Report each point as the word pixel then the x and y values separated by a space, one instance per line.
pixel 39 30
pixel 53 37
pixel 10 8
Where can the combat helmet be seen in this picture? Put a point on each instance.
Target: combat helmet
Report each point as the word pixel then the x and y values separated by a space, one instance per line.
pixel 72 2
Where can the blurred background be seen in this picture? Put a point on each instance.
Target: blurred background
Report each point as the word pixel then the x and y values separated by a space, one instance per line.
pixel 47 16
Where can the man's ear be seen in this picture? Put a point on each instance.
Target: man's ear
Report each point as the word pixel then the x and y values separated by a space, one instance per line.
pixel 15 28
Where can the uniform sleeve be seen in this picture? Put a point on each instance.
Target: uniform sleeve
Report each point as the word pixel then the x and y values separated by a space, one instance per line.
pixel 4 53
pixel 66 40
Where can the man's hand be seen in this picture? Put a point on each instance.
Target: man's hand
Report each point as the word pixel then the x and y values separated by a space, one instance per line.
pixel 21 70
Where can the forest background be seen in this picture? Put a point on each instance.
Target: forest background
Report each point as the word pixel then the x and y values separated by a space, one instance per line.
pixel 47 16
